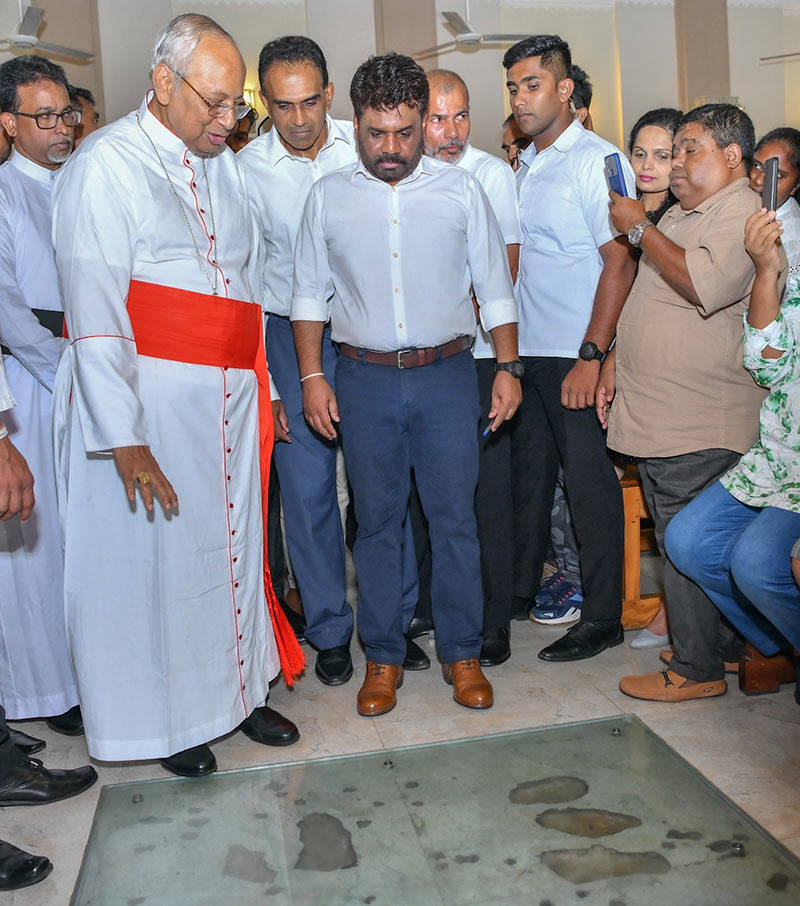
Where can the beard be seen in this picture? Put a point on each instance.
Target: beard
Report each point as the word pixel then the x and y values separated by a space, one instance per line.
pixel 374 165
pixel 59 157
pixel 450 158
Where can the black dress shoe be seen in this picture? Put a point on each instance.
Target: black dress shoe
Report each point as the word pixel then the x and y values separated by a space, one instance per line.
pixel 20 869
pixel 70 723
pixel 416 659
pixel 496 648
pixel 267 726
pixel 418 627
pixel 334 666
pixel 30 783
pixel 195 762
pixel 584 639
pixel 28 745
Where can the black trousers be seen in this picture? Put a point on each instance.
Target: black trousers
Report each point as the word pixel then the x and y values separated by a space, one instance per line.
pixel 544 435
pixel 703 639
pixel 10 755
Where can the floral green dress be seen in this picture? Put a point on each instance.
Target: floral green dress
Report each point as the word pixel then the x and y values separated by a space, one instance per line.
pixel 769 473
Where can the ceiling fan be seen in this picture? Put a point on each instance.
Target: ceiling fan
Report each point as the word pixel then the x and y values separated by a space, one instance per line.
pixel 25 36
pixel 466 35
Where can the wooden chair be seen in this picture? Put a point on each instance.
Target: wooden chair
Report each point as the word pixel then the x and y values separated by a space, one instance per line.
pixel 637 609
pixel 759 675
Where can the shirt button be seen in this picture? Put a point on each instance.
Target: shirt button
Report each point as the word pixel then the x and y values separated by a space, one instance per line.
pixel 394 220
pixel 240 638
pixel 239 611
pixel 235 584
pixel 397 289
pixel 228 282
pixel 227 396
pixel 241 664
pixel 394 255
pixel 227 421
pixel 202 211
pixel 228 450
pixel 229 478
pixel 230 505
pixel 235 559
pixel 400 325
pixel 233 532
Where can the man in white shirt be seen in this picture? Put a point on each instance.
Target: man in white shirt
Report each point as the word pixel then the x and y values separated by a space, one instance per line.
pixel 280 167
pixel 36 676
pixel 173 624
pixel 388 249
pixel 574 275
pixel 447 129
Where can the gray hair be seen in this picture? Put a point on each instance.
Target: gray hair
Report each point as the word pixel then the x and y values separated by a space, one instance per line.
pixel 178 39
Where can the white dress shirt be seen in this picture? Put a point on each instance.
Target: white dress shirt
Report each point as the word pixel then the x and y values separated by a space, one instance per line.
pixel 278 183
pixel 397 262
pixel 563 197
pixel 497 180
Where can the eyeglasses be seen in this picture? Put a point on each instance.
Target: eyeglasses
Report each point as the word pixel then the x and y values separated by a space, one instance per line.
pixel 70 116
pixel 217 111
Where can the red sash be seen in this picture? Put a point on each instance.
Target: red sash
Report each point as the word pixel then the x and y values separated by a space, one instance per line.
pixel 199 329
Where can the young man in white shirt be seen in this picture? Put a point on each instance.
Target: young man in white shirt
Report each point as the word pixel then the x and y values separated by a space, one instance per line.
pixel 575 273
pixel 280 167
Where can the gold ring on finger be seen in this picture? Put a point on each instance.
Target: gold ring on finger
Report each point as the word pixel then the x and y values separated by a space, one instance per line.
pixel 143 478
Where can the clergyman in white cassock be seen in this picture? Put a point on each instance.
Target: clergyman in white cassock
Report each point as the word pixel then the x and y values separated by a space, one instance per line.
pixel 36 677
pixel 168 620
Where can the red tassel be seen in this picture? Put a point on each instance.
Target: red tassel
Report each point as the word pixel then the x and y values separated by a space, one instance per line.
pixel 293 661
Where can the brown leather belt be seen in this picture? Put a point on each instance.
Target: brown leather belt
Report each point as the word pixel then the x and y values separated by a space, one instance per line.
pixel 407 358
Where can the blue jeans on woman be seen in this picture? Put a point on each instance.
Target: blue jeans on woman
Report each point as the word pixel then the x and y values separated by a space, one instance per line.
pixel 740 556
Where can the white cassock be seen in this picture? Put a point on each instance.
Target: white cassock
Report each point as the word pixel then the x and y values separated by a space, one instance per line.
pixel 36 678
pixel 166 615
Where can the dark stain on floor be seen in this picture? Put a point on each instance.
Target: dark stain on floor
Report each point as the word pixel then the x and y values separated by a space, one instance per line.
pixel 151 819
pixel 598 863
pixel 199 822
pixel 548 789
pixel 189 836
pixel 586 822
pixel 778 882
pixel 582 894
pixel 273 890
pixel 136 901
pixel 417 803
pixel 412 785
pixel 260 816
pixel 299 801
pixel 511 861
pixel 144 848
pixel 684 835
pixel 472 857
pixel 247 865
pixel 378 804
pixel 195 809
pixel 327 844
pixel 719 846
pixel 363 822
pixel 667 845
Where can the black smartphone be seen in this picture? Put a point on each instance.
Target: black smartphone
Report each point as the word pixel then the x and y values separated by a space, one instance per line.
pixel 769 193
pixel 614 175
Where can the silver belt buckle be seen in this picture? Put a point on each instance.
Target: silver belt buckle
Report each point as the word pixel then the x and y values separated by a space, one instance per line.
pixel 400 354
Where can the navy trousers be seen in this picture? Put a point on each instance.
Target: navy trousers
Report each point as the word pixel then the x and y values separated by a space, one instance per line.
pixel 307 473
pixel 426 419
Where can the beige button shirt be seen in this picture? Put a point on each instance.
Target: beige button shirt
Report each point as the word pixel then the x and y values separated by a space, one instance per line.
pixel 680 382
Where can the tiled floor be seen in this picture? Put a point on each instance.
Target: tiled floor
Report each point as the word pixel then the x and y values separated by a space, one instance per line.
pixel 748 747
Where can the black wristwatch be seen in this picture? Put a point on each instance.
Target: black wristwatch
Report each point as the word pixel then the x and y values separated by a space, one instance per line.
pixel 590 353
pixel 515 369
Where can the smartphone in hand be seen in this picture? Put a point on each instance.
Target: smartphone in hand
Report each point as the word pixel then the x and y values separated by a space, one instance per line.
pixel 614 175
pixel 769 193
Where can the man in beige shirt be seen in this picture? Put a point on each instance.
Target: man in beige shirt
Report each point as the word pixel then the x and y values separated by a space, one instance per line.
pixel 683 404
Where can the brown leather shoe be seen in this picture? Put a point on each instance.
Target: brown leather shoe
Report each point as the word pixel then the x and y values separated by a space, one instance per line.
pixel 378 694
pixel 470 687
pixel 667 654
pixel 668 686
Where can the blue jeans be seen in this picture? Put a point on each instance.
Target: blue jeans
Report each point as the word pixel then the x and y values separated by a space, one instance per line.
pixel 392 421
pixel 740 556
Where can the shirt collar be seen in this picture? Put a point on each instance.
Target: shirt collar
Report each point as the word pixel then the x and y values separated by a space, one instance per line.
pixel 713 200
pixel 35 171
pixel 163 137
pixel 423 168
pixel 277 151
pixel 468 158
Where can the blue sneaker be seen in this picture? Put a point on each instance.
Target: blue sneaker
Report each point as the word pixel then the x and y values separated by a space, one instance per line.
pixel 549 587
pixel 563 607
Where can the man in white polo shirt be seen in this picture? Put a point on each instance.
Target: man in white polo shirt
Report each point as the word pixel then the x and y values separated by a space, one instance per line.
pixel 447 129
pixel 574 275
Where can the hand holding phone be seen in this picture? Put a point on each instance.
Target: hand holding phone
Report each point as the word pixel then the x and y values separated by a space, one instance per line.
pixel 614 175
pixel 769 192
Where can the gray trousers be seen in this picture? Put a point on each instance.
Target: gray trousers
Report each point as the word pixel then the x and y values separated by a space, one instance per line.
pixel 701 636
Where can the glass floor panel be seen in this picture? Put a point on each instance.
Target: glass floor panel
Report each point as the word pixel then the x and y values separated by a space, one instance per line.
pixel 597 812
